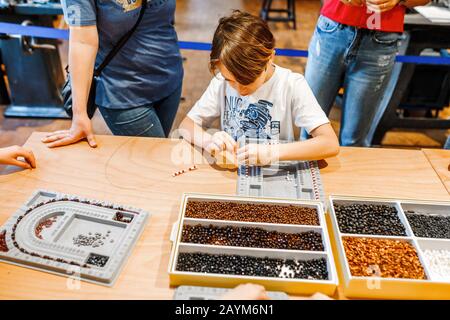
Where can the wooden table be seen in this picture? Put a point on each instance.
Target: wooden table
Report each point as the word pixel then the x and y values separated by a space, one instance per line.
pixel 440 161
pixel 390 173
pixel 138 172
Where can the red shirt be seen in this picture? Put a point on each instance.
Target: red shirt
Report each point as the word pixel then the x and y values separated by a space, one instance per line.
pixel 389 21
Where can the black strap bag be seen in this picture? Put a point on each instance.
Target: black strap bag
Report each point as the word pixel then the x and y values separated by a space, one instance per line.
pixel 66 90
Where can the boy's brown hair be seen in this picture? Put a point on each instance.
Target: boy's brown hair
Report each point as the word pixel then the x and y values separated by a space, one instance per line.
pixel 244 44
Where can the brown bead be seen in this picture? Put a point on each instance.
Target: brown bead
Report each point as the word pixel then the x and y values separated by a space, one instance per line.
pixel 252 212
pixel 251 237
pixel 43 224
pixel 393 258
pixel 3 246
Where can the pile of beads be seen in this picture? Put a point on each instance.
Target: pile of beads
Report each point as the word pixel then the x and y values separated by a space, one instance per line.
pixel 177 173
pixel 439 263
pixel 97 260
pixel 3 246
pixel 429 226
pixel 251 237
pixel 47 223
pixel 314 269
pixel 369 219
pixel 252 212
pixel 394 258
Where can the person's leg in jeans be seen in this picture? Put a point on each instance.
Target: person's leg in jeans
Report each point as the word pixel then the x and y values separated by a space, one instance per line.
pixel 138 122
pixel 447 143
pixel 154 120
pixel 325 66
pixel 366 78
pixel 167 110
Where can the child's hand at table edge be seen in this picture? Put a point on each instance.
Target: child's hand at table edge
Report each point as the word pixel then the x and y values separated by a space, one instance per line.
pixel 258 154
pixel 220 141
pixel 11 155
pixel 250 291
pixel 246 291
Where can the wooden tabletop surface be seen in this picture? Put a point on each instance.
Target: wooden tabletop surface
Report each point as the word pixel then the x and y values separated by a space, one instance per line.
pixel 440 161
pixel 138 172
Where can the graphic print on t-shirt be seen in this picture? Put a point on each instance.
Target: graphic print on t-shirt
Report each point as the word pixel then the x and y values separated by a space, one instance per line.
pixel 129 5
pixel 250 119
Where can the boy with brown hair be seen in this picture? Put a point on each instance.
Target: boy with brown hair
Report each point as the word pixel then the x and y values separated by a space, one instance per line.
pixel 255 98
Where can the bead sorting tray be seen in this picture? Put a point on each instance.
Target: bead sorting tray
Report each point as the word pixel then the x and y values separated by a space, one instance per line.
pixel 377 284
pixel 277 281
pixel 287 179
pixel 71 236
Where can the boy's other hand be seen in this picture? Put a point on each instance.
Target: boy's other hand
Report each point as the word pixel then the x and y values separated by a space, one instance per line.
pixel 11 155
pixel 221 141
pixel 257 154
pixel 247 291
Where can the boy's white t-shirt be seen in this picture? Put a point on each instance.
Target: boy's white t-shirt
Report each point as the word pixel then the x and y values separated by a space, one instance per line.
pixel 269 113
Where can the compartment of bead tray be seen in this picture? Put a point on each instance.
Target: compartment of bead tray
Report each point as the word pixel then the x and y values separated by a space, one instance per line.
pixel 68 235
pixel 223 241
pixel 380 252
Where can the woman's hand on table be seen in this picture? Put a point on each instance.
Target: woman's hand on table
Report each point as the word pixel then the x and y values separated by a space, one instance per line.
pixel 12 155
pixel 355 3
pixel 377 6
pixel 81 129
pixel 380 6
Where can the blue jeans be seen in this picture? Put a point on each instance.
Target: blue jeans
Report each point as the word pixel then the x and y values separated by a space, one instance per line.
pixel 153 120
pixel 447 143
pixel 361 61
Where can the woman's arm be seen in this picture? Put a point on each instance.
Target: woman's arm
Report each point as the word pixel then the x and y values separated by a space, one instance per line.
pixel 324 144
pixel 415 3
pixel 83 47
pixel 380 6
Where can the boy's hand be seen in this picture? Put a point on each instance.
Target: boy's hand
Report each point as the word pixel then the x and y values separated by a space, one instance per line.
pixel 221 141
pixel 246 292
pixel 8 156
pixel 257 154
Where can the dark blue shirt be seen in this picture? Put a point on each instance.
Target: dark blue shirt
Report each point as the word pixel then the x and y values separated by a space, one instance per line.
pixel 149 67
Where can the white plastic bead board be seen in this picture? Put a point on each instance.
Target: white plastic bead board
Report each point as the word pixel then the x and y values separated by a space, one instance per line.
pixel 287 179
pixel 211 293
pixel 71 236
